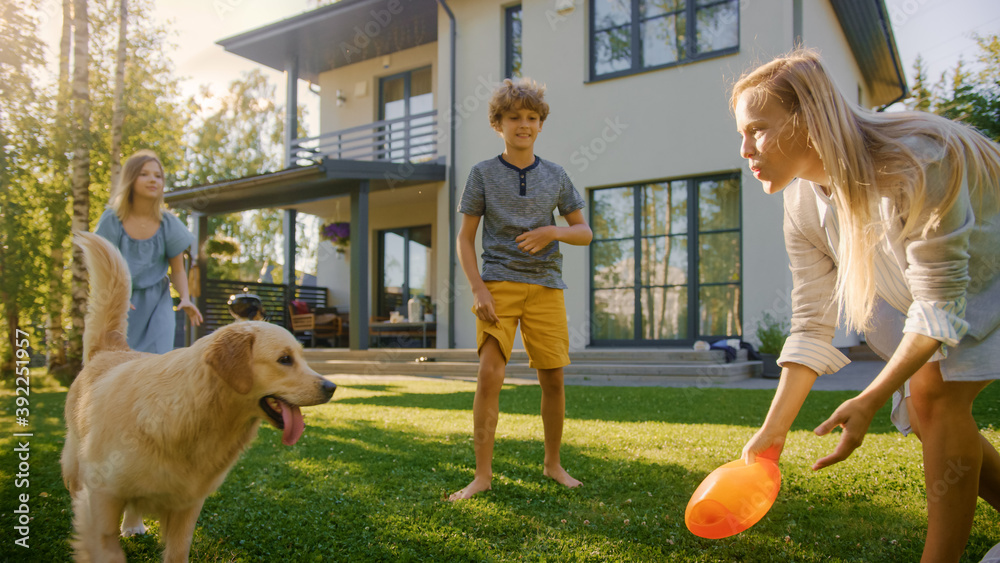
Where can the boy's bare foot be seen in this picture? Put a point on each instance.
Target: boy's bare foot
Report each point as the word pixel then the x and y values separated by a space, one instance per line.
pixel 559 475
pixel 476 486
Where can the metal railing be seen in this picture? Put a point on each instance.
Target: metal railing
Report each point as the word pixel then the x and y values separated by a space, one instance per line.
pixel 407 139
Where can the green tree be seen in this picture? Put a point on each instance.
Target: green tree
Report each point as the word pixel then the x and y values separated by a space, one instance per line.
pixel 954 86
pixel 57 204
pixel 22 103
pixel 238 134
pixel 40 130
pixel 971 95
pixel 921 97
pixel 976 100
pixel 154 116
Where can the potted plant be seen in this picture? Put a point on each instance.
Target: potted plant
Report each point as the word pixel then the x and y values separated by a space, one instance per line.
pixel 771 333
pixel 339 235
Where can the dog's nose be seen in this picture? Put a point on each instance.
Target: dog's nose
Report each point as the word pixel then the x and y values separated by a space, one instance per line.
pixel 329 387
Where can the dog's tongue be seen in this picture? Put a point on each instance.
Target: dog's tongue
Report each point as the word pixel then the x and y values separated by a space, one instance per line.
pixel 294 425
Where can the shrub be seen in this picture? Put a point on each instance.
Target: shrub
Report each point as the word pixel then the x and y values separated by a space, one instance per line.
pixel 771 332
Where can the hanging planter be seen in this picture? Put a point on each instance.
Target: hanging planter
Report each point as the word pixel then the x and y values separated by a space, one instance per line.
pixel 339 235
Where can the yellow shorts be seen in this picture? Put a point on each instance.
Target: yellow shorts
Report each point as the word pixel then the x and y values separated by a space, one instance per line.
pixel 542 314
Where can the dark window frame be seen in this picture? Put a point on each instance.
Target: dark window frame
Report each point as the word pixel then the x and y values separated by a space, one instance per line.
pixel 509 43
pixel 407 76
pixel 694 283
pixel 690 41
pixel 381 307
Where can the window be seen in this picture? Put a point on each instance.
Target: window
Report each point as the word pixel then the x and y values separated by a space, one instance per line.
pixel 666 261
pixel 404 267
pixel 629 36
pixel 512 50
pixel 403 96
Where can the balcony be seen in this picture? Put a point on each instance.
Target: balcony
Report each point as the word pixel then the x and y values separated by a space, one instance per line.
pixel 412 139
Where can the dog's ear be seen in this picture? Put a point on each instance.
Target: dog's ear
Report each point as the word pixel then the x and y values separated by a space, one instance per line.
pixel 230 356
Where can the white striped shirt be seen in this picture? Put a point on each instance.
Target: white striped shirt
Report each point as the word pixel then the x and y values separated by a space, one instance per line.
pixel 941 320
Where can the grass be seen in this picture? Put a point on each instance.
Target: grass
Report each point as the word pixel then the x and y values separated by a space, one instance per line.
pixel 368 480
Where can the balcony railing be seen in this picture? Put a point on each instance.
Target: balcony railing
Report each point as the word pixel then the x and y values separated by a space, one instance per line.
pixel 407 139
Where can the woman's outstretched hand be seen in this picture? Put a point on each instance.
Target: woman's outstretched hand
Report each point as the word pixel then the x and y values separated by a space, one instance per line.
pixel 853 416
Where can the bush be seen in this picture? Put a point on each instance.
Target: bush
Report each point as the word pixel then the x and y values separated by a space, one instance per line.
pixel 771 332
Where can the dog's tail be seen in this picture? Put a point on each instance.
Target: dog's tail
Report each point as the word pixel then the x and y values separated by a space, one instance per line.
pixel 106 325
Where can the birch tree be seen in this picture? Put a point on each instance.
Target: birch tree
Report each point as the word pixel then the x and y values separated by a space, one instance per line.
pixel 118 110
pixel 57 204
pixel 81 177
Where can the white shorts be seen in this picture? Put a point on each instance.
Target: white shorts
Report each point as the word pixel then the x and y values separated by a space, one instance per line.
pixel 971 360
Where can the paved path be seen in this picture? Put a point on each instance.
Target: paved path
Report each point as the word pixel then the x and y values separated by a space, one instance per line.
pixel 855 377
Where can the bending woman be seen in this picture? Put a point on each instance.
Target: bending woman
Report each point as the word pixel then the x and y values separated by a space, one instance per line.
pixel 152 240
pixel 891 223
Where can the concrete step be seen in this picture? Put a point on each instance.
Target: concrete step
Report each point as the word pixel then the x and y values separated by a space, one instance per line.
pixel 604 355
pixel 696 368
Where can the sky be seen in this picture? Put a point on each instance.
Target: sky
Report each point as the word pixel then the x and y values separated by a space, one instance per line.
pixel 940 30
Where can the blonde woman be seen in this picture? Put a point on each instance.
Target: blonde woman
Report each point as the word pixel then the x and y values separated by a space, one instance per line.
pixel 153 241
pixel 891 223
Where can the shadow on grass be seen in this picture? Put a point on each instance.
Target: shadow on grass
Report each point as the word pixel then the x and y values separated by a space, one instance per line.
pixel 680 405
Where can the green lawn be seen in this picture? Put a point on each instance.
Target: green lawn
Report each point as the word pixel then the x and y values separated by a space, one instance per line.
pixel 368 480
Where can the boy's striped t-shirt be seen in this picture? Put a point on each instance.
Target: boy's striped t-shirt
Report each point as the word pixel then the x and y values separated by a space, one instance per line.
pixel 512 201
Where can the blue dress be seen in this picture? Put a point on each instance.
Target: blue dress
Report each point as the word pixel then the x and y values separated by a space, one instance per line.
pixel 151 324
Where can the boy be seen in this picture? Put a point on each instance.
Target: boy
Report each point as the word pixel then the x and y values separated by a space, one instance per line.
pixel 521 280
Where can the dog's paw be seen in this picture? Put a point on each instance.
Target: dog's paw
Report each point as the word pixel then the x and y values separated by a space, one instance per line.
pixel 130 531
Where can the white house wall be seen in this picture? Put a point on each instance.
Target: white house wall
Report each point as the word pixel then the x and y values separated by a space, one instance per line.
pixel 660 124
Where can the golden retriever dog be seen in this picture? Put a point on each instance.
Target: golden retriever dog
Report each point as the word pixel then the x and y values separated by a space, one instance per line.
pixel 156 434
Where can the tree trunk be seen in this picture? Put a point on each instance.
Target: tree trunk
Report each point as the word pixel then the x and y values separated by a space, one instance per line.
pixel 118 109
pixel 11 316
pixel 81 177
pixel 55 338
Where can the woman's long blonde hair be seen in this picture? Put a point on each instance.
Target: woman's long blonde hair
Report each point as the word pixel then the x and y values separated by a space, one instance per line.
pixel 866 159
pixel 121 193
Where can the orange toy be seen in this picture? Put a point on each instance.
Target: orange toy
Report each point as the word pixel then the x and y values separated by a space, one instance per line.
pixel 734 497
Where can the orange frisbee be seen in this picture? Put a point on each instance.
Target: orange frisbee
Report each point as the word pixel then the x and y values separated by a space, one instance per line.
pixel 733 497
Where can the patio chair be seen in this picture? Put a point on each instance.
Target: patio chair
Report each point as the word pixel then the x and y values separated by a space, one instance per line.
pixel 319 323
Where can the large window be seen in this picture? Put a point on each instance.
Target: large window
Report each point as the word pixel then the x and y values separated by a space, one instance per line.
pixel 666 261
pixel 404 267
pixel 629 36
pixel 403 96
pixel 512 47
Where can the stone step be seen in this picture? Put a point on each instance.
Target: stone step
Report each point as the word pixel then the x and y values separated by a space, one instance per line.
pixel 695 368
pixel 602 355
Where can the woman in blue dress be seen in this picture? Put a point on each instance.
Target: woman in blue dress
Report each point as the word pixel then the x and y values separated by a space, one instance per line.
pixel 152 240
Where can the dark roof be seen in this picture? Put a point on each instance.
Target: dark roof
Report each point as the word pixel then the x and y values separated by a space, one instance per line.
pixel 350 31
pixel 339 34
pixel 302 184
pixel 868 31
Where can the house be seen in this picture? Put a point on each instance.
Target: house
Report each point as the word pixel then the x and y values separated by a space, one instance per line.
pixel 686 245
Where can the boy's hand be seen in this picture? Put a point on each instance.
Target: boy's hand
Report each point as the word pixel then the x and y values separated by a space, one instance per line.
pixel 535 240
pixel 483 306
